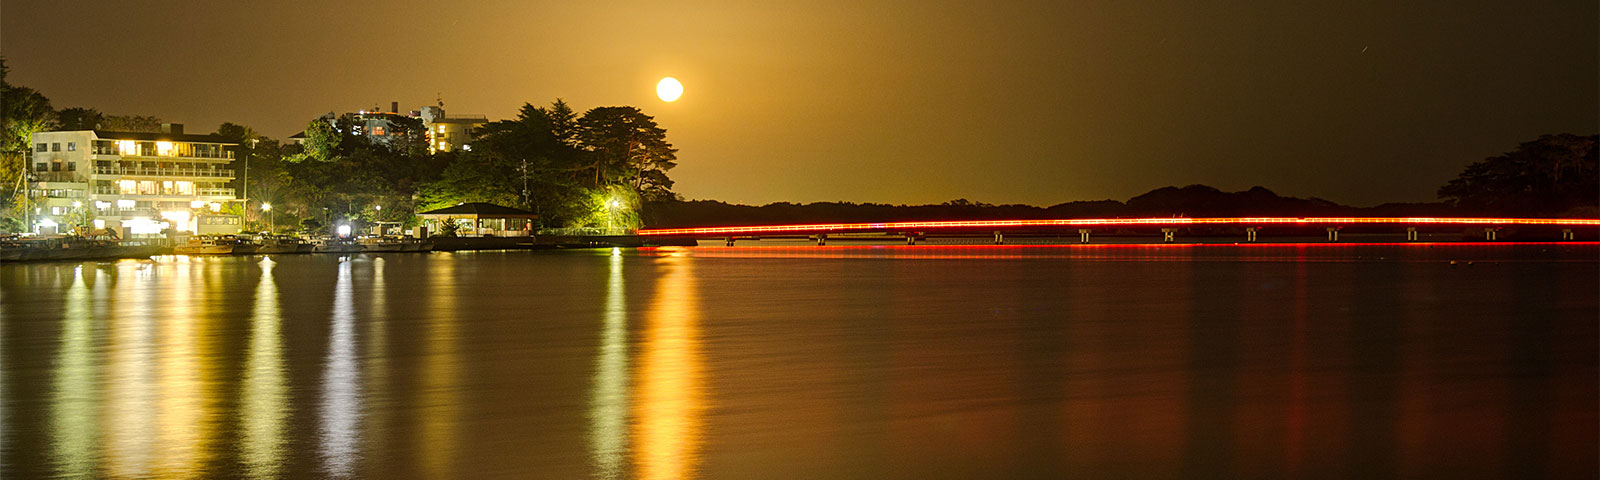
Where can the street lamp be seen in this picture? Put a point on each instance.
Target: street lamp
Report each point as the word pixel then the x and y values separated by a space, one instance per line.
pixel 272 226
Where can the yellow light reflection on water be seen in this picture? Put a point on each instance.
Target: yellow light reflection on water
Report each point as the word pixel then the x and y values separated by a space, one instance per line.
pixel 129 419
pixel 341 398
pixel 375 366
pixel 72 416
pixel 608 402
pixel 184 397
pixel 670 378
pixel 263 394
pixel 440 371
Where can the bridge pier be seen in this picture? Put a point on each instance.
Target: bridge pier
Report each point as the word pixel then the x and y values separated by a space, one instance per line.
pixel 1566 234
pixel 999 239
pixel 1491 234
pixel 911 239
pixel 1333 234
pixel 1167 234
pixel 822 239
pixel 1083 235
pixel 1411 234
pixel 1250 235
pixel 730 241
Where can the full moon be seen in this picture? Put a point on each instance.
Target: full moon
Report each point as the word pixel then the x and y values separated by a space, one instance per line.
pixel 669 89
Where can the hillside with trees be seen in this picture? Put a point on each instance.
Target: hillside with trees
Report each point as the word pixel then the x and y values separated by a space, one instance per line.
pixel 1554 176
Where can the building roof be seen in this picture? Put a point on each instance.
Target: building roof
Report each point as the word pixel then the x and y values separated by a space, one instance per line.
pixel 471 119
pixel 167 137
pixel 298 135
pixel 480 209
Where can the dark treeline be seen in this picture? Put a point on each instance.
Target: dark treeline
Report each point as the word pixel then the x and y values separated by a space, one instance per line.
pixel 1553 176
pixel 1190 201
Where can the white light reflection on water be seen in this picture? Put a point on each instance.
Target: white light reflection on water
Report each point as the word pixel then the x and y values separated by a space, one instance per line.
pixel 73 401
pixel 671 381
pixel 263 394
pixel 608 402
pixel 341 398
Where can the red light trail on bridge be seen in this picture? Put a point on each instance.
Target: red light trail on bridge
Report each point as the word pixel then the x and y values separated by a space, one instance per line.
pixel 1115 222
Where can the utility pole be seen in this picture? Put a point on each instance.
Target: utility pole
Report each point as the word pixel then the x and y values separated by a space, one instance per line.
pixel 246 182
pixel 26 188
pixel 525 194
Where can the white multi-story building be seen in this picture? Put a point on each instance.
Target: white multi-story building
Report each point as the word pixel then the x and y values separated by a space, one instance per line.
pixel 135 183
pixel 447 133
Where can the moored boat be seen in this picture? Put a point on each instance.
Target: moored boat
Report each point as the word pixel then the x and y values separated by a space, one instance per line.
pixel 337 245
pixel 281 244
pixel 207 245
pixel 382 244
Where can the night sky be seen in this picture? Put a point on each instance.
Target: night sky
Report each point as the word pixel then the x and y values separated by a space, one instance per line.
pixel 1360 102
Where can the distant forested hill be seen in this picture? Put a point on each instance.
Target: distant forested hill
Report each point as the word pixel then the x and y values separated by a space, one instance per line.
pixel 1190 201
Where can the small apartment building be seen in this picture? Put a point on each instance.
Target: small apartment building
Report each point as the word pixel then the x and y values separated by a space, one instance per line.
pixel 447 133
pixel 135 183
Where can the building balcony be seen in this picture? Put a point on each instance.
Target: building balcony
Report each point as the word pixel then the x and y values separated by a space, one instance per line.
pixel 165 172
pixel 55 193
pixel 61 177
pixel 147 153
pixel 199 192
pixel 127 212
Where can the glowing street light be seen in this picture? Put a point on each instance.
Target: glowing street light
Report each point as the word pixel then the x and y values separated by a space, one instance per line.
pixel 272 226
pixel 611 207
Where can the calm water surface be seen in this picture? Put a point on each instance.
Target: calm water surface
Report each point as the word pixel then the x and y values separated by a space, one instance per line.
pixel 835 362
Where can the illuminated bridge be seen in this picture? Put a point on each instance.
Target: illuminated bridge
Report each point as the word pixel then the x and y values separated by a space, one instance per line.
pixel 1247 229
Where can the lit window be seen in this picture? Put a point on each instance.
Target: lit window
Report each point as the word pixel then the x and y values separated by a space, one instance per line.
pixel 72 146
pixel 377 131
pixel 128 187
pixel 127 147
pixel 441 129
pixel 124 203
pixel 185 188
pixel 164 149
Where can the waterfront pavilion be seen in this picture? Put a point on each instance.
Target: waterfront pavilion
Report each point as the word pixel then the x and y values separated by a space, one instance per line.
pixel 481 219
